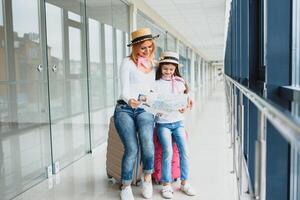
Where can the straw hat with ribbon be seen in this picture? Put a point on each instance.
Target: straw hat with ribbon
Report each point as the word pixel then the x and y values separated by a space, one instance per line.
pixel 169 57
pixel 140 35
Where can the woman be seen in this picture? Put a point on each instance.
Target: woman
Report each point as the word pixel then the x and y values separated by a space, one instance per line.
pixel 135 125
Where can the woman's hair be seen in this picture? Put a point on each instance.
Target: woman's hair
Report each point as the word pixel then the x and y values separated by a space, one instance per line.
pixel 159 75
pixel 135 49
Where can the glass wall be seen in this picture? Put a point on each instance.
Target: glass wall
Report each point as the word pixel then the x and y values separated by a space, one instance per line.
pixel 58 68
pixel 24 114
pixel 171 42
pixel 168 42
pixel 189 65
pixel 197 70
pixel 107 38
pixel 144 21
pixel 183 59
pixel 67 80
pixel 59 81
pixel 295 152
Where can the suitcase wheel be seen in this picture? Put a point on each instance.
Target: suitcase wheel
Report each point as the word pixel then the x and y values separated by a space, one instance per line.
pixel 109 176
pixel 138 183
pixel 156 182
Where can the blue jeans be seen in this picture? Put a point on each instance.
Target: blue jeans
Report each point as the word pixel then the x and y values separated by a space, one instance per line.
pixel 135 127
pixel 165 131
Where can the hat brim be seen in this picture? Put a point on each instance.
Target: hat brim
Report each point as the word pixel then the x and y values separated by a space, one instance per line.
pixel 141 40
pixel 171 61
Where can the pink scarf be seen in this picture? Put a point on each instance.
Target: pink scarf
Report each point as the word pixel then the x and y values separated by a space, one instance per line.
pixel 143 63
pixel 173 79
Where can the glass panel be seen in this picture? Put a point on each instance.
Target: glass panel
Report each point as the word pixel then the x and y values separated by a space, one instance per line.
pixel 109 65
pixel 171 43
pixel 126 42
pixel 109 51
pixel 144 21
pixel 24 123
pixel 296 44
pixel 196 75
pixel 97 14
pixel 68 84
pixel 3 68
pixel 295 152
pixel 74 16
pixel 183 59
pixel 96 78
pixel 120 15
pixel 110 95
pixel 75 51
pixel 120 44
pixel 1 15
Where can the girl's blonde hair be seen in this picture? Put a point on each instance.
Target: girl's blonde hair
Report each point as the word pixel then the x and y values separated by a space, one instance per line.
pixel 135 49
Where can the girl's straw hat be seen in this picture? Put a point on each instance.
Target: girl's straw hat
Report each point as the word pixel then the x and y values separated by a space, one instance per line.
pixel 140 35
pixel 169 57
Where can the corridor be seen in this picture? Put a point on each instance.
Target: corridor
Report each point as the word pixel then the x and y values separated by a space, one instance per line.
pixel 210 162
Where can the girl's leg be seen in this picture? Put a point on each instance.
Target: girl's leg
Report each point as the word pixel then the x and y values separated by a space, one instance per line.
pixel 145 125
pixel 181 141
pixel 164 135
pixel 126 129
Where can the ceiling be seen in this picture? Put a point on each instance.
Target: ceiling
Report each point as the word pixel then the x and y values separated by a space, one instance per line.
pixel 201 22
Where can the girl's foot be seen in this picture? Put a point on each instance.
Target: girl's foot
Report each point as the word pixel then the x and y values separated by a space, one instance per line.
pixel 167 192
pixel 187 189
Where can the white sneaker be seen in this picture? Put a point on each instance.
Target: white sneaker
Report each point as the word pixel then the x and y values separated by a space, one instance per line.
pixel 187 189
pixel 147 189
pixel 126 193
pixel 167 192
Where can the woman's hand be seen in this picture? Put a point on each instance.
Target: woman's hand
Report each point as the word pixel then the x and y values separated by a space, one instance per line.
pixel 133 103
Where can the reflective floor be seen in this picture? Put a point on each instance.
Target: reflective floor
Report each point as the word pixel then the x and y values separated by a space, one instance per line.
pixel 210 162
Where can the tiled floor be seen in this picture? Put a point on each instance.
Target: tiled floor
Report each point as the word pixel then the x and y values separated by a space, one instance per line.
pixel 210 163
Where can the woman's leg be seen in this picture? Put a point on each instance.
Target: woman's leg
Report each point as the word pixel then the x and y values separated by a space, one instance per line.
pixel 181 141
pixel 125 126
pixel 164 135
pixel 145 126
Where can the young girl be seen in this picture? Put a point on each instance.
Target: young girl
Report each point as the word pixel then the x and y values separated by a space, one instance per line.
pixel 169 81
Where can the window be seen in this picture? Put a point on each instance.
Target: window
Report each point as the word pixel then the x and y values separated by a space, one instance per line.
pixel 144 21
pixel 295 153
pixel 171 42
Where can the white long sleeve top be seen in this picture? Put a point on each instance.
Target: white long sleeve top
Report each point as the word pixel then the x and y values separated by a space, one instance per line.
pixel 134 81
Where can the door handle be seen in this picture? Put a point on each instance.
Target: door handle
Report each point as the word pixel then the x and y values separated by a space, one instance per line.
pixel 54 68
pixel 39 68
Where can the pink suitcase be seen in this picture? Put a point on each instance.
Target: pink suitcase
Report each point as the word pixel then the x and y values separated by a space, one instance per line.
pixel 158 161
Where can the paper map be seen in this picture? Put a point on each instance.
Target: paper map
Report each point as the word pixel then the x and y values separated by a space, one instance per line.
pixel 163 105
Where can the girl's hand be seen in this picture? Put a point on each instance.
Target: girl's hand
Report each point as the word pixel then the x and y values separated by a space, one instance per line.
pixel 133 103
pixel 190 104
pixel 182 110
